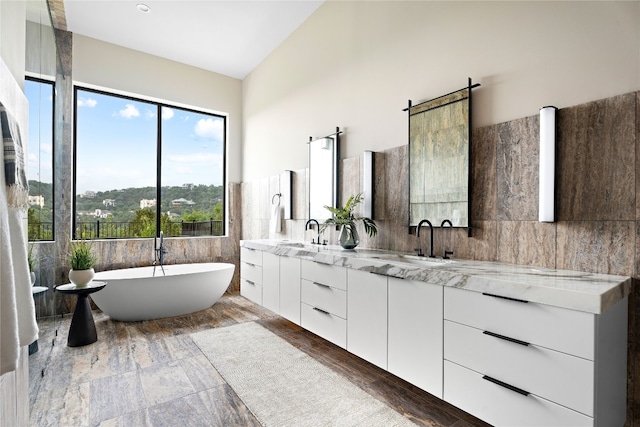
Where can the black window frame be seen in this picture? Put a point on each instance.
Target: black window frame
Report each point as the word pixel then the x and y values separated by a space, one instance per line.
pixel 159 105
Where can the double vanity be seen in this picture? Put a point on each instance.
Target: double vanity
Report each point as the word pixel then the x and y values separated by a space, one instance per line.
pixel 511 345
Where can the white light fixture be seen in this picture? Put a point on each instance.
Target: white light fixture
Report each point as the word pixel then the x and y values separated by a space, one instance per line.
pixel 143 8
pixel 546 207
pixel 367 179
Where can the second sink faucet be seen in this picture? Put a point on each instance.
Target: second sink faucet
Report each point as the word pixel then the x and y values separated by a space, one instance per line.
pixel 431 255
pixel 308 225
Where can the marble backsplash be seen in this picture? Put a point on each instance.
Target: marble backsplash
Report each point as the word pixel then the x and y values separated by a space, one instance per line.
pixel 597 226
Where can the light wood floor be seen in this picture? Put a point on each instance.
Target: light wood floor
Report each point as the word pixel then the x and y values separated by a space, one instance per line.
pixel 152 374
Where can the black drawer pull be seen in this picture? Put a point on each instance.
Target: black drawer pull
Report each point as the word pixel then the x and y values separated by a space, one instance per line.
pixel 505 385
pixel 502 337
pixel 250 282
pixel 507 298
pixel 322 285
pixel 322 311
pixel 249 264
pixel 387 275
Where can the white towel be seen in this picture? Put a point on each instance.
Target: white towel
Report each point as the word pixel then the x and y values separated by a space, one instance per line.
pixel 18 325
pixel 276 219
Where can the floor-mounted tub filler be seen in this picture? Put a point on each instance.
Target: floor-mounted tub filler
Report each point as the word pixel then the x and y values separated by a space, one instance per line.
pixel 134 294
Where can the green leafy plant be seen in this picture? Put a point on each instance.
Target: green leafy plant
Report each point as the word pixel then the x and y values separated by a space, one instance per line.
pixel 345 216
pixel 31 259
pixel 81 256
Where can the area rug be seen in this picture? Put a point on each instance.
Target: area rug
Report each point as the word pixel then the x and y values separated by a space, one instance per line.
pixel 283 386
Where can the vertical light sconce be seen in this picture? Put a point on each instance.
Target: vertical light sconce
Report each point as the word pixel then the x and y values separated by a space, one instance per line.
pixel 286 187
pixel 546 206
pixel 367 179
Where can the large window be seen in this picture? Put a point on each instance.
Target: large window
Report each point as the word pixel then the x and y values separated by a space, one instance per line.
pixel 40 158
pixel 143 167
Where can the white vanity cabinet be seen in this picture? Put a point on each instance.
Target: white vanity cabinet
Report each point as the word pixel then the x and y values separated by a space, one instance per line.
pixel 271 282
pixel 290 288
pixel 517 363
pixel 323 308
pixel 415 333
pixel 251 274
pixel 367 316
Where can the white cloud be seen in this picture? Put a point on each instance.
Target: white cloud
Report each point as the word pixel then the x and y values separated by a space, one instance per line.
pixel 46 148
pixel 33 158
pixel 87 102
pixel 130 111
pixel 150 114
pixel 194 158
pixel 167 113
pixel 209 128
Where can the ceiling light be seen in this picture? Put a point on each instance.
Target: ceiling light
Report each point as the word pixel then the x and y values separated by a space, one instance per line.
pixel 143 8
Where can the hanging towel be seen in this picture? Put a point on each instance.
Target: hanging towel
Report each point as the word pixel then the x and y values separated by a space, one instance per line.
pixel 18 325
pixel 276 221
pixel 14 161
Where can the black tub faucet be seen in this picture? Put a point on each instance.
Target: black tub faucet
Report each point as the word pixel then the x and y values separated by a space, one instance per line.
pixel 431 255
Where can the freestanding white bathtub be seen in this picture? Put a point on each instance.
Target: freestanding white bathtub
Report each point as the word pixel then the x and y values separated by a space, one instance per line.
pixel 135 294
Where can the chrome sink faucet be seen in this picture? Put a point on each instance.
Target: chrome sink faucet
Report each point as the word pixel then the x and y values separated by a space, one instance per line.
pixel 431 255
pixel 309 225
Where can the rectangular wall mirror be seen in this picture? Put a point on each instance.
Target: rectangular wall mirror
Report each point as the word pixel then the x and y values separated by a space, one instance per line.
pixel 323 175
pixel 439 159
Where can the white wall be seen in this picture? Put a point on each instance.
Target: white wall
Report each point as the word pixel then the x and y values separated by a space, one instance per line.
pixel 109 66
pixel 355 64
pixel 12 37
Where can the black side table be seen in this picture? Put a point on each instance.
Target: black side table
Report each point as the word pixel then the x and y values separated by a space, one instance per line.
pixel 83 328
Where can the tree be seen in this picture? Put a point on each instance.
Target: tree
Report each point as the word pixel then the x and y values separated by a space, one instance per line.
pixel 143 224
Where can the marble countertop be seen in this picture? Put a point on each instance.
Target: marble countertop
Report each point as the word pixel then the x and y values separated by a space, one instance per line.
pixel 576 290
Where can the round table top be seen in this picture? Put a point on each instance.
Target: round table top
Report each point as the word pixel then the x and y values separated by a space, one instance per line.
pixel 35 290
pixel 70 288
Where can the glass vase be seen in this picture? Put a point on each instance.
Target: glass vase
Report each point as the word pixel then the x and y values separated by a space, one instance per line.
pixel 349 238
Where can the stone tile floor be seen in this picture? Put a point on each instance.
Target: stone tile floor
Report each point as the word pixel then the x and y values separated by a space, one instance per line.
pixel 152 374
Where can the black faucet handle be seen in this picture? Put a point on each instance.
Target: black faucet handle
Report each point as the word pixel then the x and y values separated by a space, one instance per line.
pixel 419 251
pixel 446 254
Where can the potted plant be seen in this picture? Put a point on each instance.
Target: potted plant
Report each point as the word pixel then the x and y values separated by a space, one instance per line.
pixel 32 265
pixel 82 259
pixel 345 218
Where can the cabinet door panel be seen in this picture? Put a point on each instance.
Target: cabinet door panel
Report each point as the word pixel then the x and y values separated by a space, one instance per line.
pixel 271 282
pixel 415 333
pixel 367 316
pixel 290 288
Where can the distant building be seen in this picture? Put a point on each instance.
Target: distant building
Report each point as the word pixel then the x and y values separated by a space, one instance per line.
pixel 108 202
pixel 182 202
pixel 37 200
pixel 99 213
pixel 188 186
pixel 147 203
pixel 88 195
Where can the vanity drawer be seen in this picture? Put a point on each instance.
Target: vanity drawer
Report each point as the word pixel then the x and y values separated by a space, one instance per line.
pixel 251 290
pixel 251 272
pixel 568 331
pixel 501 406
pixel 251 256
pixel 331 275
pixel 325 297
pixel 558 377
pixel 324 324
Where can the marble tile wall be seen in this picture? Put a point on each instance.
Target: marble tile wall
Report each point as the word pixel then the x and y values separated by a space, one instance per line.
pixel 597 202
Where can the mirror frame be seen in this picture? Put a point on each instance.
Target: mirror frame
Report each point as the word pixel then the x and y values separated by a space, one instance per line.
pixel 442 101
pixel 315 206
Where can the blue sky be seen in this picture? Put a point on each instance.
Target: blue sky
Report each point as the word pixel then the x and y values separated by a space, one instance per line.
pixel 116 144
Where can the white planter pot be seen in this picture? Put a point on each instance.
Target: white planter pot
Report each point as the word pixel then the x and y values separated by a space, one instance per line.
pixel 81 278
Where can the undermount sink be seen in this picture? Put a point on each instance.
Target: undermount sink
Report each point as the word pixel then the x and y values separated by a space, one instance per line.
pixel 414 260
pixel 291 244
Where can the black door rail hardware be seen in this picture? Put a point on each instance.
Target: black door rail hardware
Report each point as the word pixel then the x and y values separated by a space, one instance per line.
pixel 507 298
pixel 505 385
pixel 502 337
